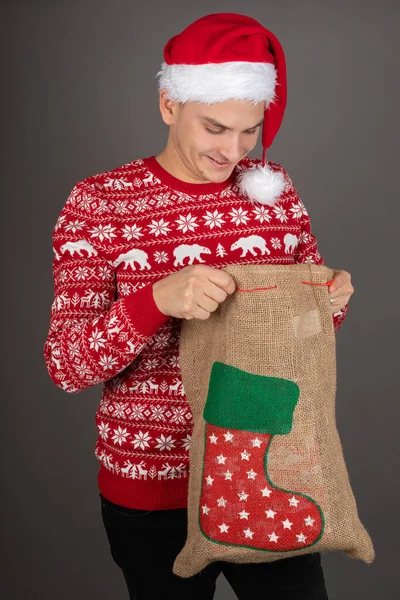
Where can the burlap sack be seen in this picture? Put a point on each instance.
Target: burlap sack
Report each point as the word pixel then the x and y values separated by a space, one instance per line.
pixel 267 477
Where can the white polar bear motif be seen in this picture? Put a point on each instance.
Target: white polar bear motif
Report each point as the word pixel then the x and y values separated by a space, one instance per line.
pixel 248 244
pixel 191 251
pixel 78 246
pixel 290 242
pixel 132 256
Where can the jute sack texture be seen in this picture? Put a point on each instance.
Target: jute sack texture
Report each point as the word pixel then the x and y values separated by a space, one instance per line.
pixel 268 479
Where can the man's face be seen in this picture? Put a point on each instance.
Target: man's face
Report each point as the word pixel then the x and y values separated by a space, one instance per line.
pixel 201 134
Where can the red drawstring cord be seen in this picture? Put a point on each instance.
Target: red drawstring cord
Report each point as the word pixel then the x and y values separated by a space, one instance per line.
pixel 275 286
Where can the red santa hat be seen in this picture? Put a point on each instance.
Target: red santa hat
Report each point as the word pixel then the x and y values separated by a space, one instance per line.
pixel 226 56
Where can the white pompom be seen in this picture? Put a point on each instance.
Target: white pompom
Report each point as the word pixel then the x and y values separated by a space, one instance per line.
pixel 261 184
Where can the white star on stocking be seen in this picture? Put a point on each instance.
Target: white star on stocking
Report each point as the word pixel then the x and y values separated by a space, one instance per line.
pixel 244 514
pixel 228 436
pixel 293 501
pixel 287 524
pixel 266 492
pixel 245 455
pixel 248 533
pixel 243 496
pixel 223 528
pixel 256 442
pixel 209 480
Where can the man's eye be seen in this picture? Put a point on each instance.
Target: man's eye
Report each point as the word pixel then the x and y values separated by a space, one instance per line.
pixel 221 131
pixel 213 132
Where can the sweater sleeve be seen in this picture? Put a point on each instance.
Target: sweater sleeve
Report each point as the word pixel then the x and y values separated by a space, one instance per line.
pixel 92 335
pixel 307 248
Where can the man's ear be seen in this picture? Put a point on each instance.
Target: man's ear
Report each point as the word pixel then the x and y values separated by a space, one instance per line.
pixel 168 108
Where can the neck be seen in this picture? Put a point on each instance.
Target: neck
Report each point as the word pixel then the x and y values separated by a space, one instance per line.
pixel 170 160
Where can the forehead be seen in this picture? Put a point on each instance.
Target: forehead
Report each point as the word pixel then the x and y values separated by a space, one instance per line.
pixel 232 113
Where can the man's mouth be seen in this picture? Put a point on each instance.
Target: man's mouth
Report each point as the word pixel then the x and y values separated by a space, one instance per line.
pixel 218 163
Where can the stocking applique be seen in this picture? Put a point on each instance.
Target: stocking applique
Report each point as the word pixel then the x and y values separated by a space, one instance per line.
pixel 239 504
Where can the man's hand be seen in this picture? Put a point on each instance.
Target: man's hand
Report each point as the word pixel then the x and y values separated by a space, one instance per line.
pixel 194 292
pixel 340 290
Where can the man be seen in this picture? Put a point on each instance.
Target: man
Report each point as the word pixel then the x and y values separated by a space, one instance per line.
pixel 142 247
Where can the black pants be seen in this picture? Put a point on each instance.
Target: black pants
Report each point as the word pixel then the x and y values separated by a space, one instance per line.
pixel 144 544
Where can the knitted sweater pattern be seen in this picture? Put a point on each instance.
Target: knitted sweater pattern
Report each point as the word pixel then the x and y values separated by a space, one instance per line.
pixel 118 233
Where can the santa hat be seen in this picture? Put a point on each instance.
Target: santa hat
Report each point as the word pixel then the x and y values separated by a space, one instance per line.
pixel 226 56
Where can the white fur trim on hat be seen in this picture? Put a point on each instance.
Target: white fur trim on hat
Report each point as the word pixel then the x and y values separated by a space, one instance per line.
pixel 261 184
pixel 218 82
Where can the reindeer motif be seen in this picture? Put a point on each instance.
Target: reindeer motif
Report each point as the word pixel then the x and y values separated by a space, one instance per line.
pixel 86 300
pixel 153 387
pixel 182 470
pixel 57 362
pixel 115 329
pixel 109 184
pixel 65 384
pixel 174 388
pixel 132 346
pixel 107 461
pixel 142 472
pixel 135 388
pixel 125 470
pixel 148 179
pixel 163 472
pixel 129 470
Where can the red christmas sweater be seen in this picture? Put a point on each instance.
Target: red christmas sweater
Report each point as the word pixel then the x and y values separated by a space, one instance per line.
pixel 118 233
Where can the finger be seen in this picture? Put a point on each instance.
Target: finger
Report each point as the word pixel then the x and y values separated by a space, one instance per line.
pixel 222 280
pixel 206 303
pixel 201 314
pixel 214 291
pixel 342 292
pixel 339 302
pixel 340 279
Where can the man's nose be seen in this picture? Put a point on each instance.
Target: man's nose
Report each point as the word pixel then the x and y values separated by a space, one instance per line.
pixel 233 152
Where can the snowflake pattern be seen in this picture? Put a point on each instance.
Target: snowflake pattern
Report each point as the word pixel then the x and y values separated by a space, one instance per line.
pixel 298 210
pixel 159 227
pixel 186 223
pixel 161 256
pixel 74 226
pixel 213 219
pixel 104 430
pixel 103 232
pixel 276 243
pixel 120 435
pixel 132 232
pixel 239 216
pixel 280 214
pixel 141 440
pixel 165 442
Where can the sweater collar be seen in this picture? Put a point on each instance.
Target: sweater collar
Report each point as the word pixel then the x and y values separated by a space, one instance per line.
pixel 194 189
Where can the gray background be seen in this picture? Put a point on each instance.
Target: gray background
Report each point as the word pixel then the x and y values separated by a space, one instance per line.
pixel 79 97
